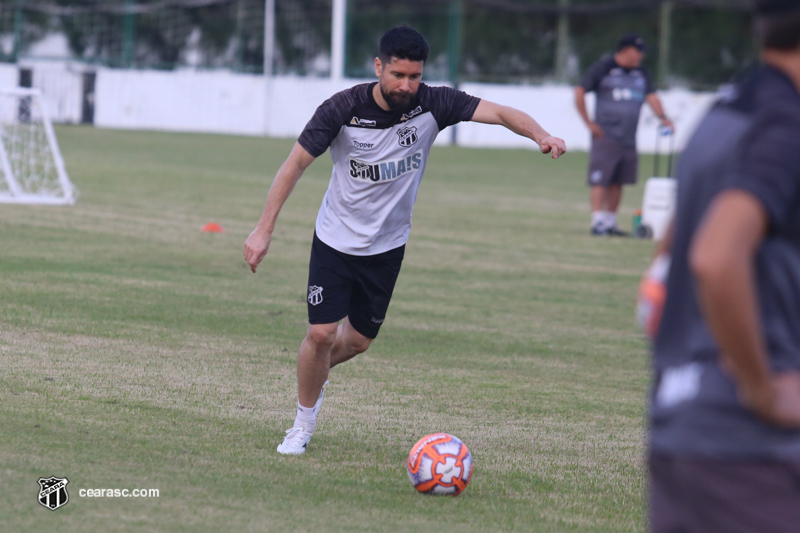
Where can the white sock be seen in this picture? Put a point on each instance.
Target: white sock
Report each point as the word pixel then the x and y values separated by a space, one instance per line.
pixel 610 219
pixel 306 417
pixel 598 219
pixel 321 397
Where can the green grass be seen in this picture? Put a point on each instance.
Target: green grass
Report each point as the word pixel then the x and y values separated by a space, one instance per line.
pixel 139 352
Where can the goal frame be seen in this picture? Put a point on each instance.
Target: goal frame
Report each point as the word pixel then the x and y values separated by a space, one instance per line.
pixel 15 193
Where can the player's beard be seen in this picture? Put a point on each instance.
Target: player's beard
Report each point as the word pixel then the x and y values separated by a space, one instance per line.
pixel 398 102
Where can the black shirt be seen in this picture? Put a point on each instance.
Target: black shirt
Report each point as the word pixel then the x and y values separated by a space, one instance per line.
pixel 620 95
pixel 751 142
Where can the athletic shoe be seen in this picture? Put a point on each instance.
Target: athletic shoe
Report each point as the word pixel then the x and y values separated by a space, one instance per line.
pixel 616 232
pixel 597 231
pixel 295 441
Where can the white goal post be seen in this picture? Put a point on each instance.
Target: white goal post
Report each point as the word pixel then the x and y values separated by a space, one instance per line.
pixel 31 167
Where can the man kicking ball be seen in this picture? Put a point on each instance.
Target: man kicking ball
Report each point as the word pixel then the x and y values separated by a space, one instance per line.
pixel 380 135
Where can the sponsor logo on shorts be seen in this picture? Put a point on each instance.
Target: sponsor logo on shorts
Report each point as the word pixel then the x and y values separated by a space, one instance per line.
pixel 408 136
pixel 411 114
pixel 384 171
pixel 596 176
pixel 355 121
pixel 377 320
pixel 363 146
pixel 314 295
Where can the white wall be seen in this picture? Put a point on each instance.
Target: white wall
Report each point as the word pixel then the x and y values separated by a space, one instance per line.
pixel 61 83
pixel 9 75
pixel 212 102
pixel 223 102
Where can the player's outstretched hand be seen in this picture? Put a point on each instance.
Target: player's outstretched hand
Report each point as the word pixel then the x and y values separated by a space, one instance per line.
pixel 780 405
pixel 553 145
pixel 255 248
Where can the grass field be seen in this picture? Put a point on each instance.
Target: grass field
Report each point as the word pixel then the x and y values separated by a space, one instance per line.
pixel 139 352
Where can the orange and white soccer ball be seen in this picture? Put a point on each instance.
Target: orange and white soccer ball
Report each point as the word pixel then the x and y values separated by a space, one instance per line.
pixel 439 464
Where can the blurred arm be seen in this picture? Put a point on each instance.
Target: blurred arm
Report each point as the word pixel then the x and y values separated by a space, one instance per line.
pixel 580 104
pixel 721 259
pixel 654 102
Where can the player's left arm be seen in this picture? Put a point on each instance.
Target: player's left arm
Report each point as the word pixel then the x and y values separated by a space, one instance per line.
pixel 654 102
pixel 520 123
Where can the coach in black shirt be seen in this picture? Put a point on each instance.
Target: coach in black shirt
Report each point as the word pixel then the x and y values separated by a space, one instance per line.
pixel 621 85
pixel 725 410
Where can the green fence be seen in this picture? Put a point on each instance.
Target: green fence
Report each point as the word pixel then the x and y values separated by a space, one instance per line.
pixel 694 43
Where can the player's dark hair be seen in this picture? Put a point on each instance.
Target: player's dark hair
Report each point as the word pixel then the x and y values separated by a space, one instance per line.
pixel 779 31
pixel 403 42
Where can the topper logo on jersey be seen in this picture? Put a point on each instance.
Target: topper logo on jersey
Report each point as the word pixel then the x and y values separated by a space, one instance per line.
pixel 408 136
pixel 411 114
pixel 385 170
pixel 355 121
pixel 363 146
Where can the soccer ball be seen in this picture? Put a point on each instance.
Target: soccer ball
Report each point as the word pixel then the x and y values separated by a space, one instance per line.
pixel 439 464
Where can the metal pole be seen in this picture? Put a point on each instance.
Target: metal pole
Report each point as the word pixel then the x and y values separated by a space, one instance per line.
pixel 339 19
pixel 128 29
pixel 18 22
pixel 269 36
pixel 241 18
pixel 562 42
pixel 454 22
pixel 664 41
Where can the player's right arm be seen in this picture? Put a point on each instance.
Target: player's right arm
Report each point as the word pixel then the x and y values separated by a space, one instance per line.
pixel 257 244
pixel 580 104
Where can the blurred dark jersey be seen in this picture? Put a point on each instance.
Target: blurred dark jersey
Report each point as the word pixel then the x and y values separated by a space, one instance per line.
pixel 749 141
pixel 620 95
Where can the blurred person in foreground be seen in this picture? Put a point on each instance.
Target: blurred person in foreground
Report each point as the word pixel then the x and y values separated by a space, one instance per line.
pixel 621 85
pixel 724 435
pixel 380 135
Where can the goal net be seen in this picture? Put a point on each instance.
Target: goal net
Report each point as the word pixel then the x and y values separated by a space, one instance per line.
pixel 31 168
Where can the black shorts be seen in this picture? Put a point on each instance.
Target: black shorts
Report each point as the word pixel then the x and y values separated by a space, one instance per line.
pixel 707 496
pixel 612 163
pixel 358 287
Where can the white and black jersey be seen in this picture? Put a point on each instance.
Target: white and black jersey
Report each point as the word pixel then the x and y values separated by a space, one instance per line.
pixel 379 158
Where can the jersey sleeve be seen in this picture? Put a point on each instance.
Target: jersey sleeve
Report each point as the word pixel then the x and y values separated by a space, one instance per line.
pixel 593 75
pixel 450 106
pixel 325 125
pixel 770 167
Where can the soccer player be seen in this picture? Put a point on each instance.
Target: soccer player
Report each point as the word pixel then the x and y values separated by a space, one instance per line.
pixel 724 446
pixel 380 135
pixel 621 86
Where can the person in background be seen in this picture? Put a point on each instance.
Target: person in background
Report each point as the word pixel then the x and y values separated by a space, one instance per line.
pixel 724 433
pixel 621 86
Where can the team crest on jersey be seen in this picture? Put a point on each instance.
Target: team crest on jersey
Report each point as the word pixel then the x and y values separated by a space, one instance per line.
pixel 408 136
pixel 413 113
pixel 355 121
pixel 53 492
pixel 314 295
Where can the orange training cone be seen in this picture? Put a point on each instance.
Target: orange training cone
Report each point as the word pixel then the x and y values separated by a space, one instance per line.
pixel 212 227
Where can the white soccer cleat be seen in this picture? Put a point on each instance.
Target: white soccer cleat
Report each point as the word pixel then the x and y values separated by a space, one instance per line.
pixel 295 441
